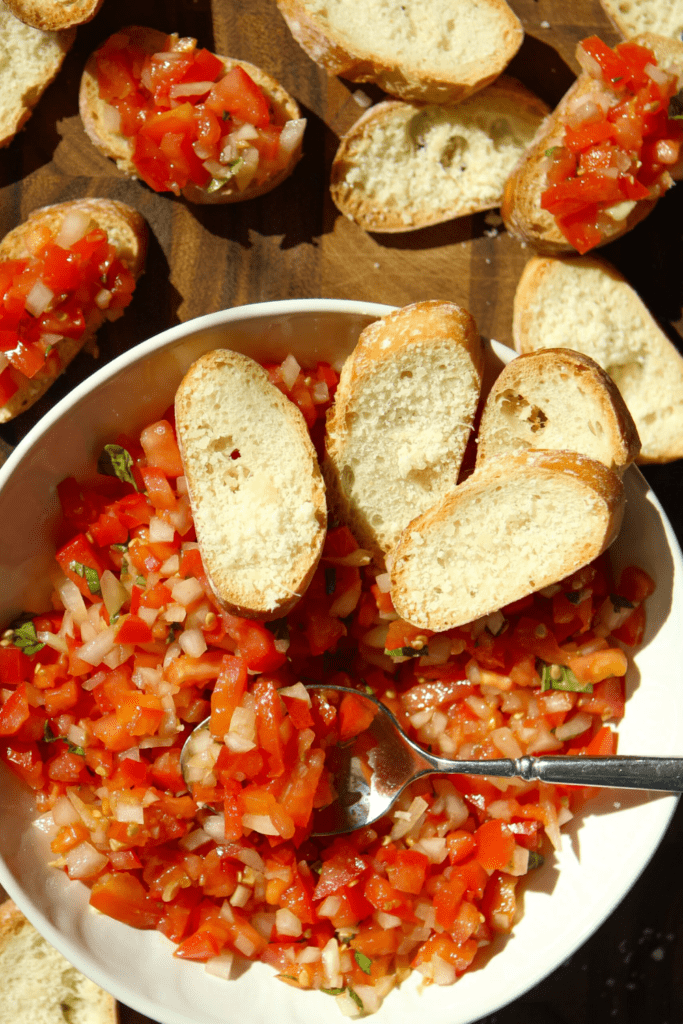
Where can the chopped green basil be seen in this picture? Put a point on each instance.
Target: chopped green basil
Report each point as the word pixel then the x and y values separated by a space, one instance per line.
pixel 49 737
pixel 89 575
pixel 404 652
pixel 24 636
pixel 330 579
pixel 552 151
pixel 363 961
pixel 119 547
pixel 333 991
pixel 676 106
pixel 116 461
pixel 215 184
pixel 559 677
pixel 574 596
pixel 620 602
pixel 356 998
pixel 536 860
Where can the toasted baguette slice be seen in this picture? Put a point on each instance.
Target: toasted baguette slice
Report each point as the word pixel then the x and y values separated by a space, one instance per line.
pixel 255 487
pixel 127 232
pixel 403 413
pixel 100 120
pixel 556 398
pixel 39 986
pixel 438 51
pixel 29 60
pixel 519 523
pixel 404 166
pixel 54 15
pixel 633 17
pixel 610 324
pixel 521 208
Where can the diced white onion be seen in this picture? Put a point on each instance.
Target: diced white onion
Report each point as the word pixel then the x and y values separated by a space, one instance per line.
pixel 190 89
pixel 247 169
pixel 215 827
pixel 288 923
pixel 290 137
pixel 103 298
pixel 192 642
pixel 75 225
pixel 186 591
pixel 261 823
pixel 343 605
pixel 84 861
pixel 321 392
pixel 438 651
pixel 127 808
pixel 298 692
pixel 160 531
pixel 94 650
pixel 387 921
pixel 72 599
pixel 383 582
pixel 39 298
pixel 588 63
pixel 58 643
pixel 290 370
pixel 47 824
pixel 657 75
pixel 220 966
pixel 331 964
pixel 64 811
pixel 574 726
pixel 329 906
pixel 245 133
pixel 114 594
pixel 251 858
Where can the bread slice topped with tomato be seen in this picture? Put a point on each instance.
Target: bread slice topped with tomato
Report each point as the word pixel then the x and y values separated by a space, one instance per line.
pixel 608 152
pixel 255 487
pixel 63 272
pixel 210 128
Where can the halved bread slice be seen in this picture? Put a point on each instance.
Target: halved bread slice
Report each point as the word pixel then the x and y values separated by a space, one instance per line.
pixel 402 416
pixel 255 487
pixel 126 230
pixel 101 120
pixel 521 208
pixel 611 324
pixel 54 15
pixel 632 17
pixel 519 523
pixel 29 61
pixel 39 986
pixel 556 398
pixel 404 166
pixel 438 51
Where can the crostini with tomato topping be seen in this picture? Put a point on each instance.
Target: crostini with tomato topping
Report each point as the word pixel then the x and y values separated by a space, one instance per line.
pixel 187 121
pixel 63 272
pixel 609 151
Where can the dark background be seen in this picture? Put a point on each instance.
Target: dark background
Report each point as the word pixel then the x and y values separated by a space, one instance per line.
pixel 292 243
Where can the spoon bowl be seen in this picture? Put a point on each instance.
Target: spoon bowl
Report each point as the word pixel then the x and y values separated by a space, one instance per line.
pixel 372 768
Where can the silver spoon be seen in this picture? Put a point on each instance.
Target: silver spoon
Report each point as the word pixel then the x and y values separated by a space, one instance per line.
pixel 371 770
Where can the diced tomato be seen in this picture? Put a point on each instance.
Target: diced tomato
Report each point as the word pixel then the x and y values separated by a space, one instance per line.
pixel 227 693
pixel 122 896
pixel 495 845
pixel 14 712
pixel 238 95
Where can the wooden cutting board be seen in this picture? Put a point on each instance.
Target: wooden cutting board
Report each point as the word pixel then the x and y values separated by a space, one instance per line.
pixel 293 242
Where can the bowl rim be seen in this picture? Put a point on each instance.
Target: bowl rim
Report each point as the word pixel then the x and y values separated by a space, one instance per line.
pixel 143 349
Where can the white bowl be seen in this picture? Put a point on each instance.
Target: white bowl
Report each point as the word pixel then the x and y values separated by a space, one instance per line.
pixel 564 902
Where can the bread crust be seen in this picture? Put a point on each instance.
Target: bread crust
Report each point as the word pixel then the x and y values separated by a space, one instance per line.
pixel 126 230
pixel 231 371
pixel 521 207
pixel 54 16
pixel 397 78
pixel 94 114
pixel 523 375
pixel 589 481
pixel 379 217
pixel 424 327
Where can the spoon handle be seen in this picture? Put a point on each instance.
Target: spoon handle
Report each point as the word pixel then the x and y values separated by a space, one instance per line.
pixel 620 772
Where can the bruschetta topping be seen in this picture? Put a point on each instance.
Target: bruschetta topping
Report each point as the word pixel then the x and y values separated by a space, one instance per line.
pixel 619 144
pixel 49 294
pixel 190 120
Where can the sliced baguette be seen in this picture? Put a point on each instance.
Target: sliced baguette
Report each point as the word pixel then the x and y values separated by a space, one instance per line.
pixel 39 986
pixel 611 324
pixel 255 487
pixel 402 416
pixel 99 118
pixel 556 398
pixel 404 166
pixel 437 51
pixel 633 17
pixel 29 61
pixel 521 208
pixel 521 522
pixel 54 15
pixel 127 232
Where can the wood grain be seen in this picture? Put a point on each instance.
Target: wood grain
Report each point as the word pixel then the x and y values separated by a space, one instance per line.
pixel 293 243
